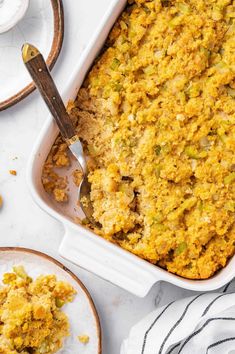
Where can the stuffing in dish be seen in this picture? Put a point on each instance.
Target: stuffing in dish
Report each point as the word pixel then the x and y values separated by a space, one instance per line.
pixel 156 114
pixel 31 320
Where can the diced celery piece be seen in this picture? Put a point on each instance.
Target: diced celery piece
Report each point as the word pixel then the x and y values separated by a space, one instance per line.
pixel 159 227
pixel 149 70
pixel 230 206
pixel 158 170
pixel 217 14
pixel 186 205
pixel 194 90
pixel 184 8
pixel 176 21
pixel 115 64
pixel 181 248
pixel 158 218
pixel 85 221
pixel 200 205
pixel 146 10
pixel 221 134
pixel 116 86
pixel 191 152
pixel 230 178
pixel 157 149
pixel 20 272
pixel 222 3
pixel 205 51
pixel 231 92
pixel 59 303
pixel 43 348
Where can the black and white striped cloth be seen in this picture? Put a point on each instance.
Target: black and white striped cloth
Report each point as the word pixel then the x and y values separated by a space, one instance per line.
pixel 202 324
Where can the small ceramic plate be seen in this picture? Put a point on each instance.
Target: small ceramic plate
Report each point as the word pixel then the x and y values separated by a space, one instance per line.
pixel 42 26
pixel 81 312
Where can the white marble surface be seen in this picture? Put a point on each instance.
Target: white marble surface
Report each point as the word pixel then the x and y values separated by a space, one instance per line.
pixel 22 223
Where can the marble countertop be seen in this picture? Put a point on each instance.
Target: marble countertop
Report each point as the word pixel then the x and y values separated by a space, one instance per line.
pixel 22 223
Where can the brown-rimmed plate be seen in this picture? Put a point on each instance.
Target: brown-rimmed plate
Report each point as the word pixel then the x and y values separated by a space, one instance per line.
pixel 43 25
pixel 82 314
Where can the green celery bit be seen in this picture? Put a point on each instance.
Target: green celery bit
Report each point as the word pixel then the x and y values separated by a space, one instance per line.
pixel 43 348
pixel 200 205
pixel 205 51
pixel 230 206
pixel 157 149
pixel 158 171
pixel 20 272
pixel 85 221
pixel 59 303
pixel 115 64
pixel 184 8
pixel 116 86
pixel 176 21
pixel 149 70
pixel 191 152
pixel 159 227
pixel 157 219
pixel 230 178
pixel 146 10
pixel 181 248
pixel 231 92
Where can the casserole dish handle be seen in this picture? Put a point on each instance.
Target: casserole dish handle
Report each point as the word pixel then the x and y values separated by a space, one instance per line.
pixel 107 260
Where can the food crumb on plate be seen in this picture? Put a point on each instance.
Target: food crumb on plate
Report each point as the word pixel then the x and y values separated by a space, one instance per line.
pixel 84 338
pixel 30 313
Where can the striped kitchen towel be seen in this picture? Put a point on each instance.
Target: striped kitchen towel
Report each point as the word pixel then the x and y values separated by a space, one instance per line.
pixel 202 324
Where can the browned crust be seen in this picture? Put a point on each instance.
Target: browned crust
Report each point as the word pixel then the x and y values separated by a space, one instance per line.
pixel 78 281
pixel 58 12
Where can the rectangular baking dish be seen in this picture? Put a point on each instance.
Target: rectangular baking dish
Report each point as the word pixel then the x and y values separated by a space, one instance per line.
pixel 82 246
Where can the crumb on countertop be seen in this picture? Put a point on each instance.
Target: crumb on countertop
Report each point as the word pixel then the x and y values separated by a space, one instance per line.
pixel 13 172
pixel 1 201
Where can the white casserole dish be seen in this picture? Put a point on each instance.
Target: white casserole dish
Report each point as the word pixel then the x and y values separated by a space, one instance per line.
pixel 80 245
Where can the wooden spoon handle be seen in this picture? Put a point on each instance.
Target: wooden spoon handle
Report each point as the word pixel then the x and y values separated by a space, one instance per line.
pixel 39 72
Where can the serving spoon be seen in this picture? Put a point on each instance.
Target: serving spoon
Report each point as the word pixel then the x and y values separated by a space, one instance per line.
pixel 39 72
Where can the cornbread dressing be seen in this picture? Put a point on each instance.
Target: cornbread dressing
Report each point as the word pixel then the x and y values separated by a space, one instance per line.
pixel 156 114
pixel 31 320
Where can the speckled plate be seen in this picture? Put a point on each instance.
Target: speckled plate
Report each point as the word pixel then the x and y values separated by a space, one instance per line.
pixel 43 26
pixel 82 314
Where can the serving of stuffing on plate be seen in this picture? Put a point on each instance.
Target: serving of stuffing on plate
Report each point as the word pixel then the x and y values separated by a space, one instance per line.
pixel 156 115
pixel 31 316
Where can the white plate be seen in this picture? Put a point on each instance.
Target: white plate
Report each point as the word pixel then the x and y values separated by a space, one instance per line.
pixel 82 314
pixel 42 25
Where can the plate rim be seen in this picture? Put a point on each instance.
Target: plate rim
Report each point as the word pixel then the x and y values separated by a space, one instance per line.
pixel 67 270
pixel 58 37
